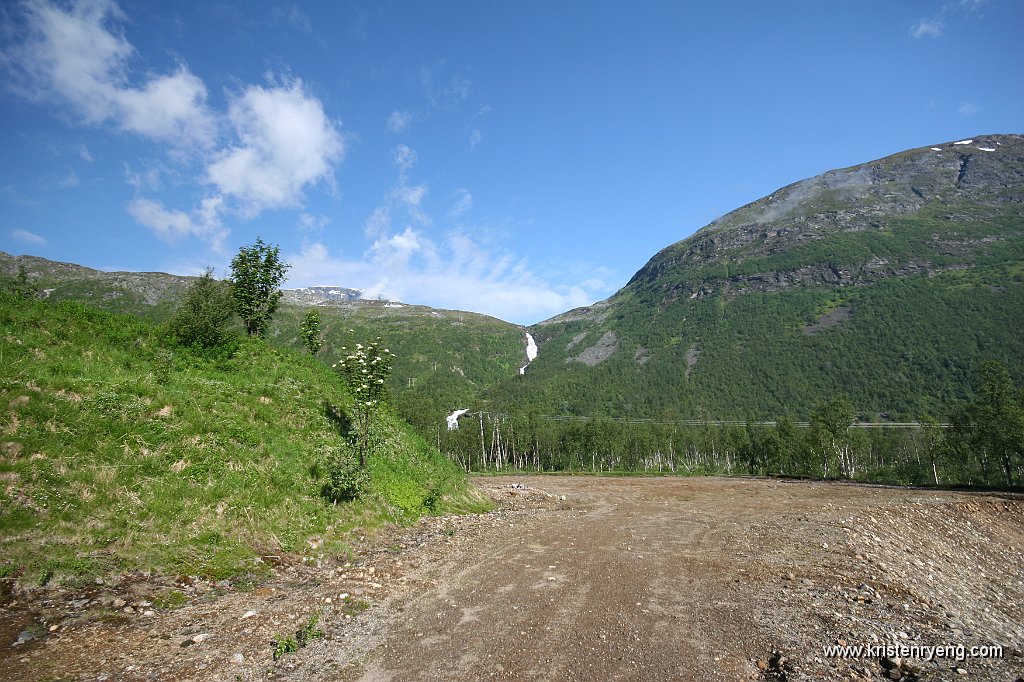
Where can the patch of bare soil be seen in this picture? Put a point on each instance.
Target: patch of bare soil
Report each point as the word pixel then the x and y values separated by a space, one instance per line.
pixel 588 579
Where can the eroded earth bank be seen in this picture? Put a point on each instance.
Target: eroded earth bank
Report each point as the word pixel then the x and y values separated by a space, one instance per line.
pixel 586 579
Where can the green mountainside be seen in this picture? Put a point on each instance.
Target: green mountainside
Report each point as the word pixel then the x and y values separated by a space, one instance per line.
pixel 445 358
pixel 890 281
pixel 120 450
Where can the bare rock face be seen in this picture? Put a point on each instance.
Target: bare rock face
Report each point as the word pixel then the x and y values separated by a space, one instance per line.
pixel 599 352
pixel 320 295
pixel 743 250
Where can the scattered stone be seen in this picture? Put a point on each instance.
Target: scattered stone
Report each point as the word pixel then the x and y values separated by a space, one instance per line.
pixel 247 615
pixel 200 638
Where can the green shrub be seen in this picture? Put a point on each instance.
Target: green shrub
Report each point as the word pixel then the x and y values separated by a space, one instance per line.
pixel 346 480
pixel 203 316
pixel 285 645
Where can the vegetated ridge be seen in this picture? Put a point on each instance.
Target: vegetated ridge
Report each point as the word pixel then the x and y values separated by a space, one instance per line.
pixel 120 450
pixel 891 281
pixel 443 357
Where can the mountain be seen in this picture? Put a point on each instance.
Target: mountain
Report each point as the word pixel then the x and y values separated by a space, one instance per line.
pixel 320 295
pixel 890 281
pixel 445 358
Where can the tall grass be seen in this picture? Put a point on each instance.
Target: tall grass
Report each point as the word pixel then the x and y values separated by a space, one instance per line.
pixel 120 450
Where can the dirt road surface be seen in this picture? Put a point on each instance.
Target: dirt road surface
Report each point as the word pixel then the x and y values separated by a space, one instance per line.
pixel 578 578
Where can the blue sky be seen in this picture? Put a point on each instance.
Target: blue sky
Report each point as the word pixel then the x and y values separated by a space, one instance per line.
pixel 512 158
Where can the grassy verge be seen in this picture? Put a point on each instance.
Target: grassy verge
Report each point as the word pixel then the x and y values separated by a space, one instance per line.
pixel 119 451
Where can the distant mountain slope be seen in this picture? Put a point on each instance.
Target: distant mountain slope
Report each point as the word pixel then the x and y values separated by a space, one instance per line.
pixel 890 281
pixel 445 357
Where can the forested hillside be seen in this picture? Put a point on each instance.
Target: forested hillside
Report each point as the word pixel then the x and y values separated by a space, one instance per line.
pixel 890 282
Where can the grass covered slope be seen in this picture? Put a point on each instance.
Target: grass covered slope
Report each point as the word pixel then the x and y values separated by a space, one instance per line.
pixel 120 451
pixel 445 358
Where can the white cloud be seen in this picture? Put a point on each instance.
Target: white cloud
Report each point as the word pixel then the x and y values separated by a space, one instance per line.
pixel 968 109
pixel 26 237
pixel 446 93
pixel 172 225
pixel 312 223
pixel 927 28
pixel 412 197
pixel 457 273
pixel 463 202
pixel 475 137
pixel 294 17
pixel 398 121
pixel 379 222
pixel 405 158
pixel 283 141
pixel 70 55
pixel 954 10
pixel 408 196
pixel 286 143
pixel 68 181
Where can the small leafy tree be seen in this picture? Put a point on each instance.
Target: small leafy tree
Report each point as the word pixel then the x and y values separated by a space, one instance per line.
pixel 830 422
pixel 990 430
pixel 256 275
pixel 311 331
pixel 366 370
pixel 204 313
pixel 22 286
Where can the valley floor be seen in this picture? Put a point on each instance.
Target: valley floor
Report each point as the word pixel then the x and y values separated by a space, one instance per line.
pixel 577 578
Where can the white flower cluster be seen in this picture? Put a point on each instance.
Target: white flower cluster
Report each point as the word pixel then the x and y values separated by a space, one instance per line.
pixel 366 370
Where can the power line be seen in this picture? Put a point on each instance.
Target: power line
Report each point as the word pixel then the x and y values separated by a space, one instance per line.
pixel 708 422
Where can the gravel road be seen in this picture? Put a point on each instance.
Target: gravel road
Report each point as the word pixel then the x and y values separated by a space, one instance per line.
pixel 578 578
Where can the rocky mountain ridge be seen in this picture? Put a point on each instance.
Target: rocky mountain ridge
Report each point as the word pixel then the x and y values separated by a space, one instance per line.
pixel 843 282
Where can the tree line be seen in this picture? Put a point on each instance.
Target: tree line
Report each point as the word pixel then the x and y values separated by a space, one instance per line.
pixel 983 445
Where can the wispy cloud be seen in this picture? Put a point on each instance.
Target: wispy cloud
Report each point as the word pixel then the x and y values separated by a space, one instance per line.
pixel 475 138
pixel 456 273
pixel 927 28
pixel 463 203
pixel 398 121
pixel 69 180
pixel 26 237
pixel 444 91
pixel 293 16
pixel 173 225
pixel 935 26
pixel 69 55
pixel 968 109
pixel 409 260
pixel 83 152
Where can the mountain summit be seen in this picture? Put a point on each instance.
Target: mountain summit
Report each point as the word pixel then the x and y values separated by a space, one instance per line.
pixel 890 281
